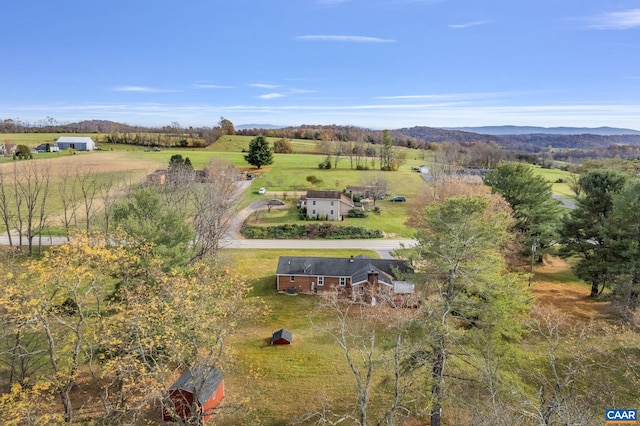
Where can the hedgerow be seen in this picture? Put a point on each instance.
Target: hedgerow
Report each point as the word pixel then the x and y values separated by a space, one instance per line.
pixel 311 231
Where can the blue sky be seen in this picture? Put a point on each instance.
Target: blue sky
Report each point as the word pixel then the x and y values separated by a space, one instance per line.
pixel 369 63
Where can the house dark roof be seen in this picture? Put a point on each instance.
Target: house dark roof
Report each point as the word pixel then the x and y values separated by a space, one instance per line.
pixel 202 381
pixel 282 334
pixel 333 195
pixel 339 266
pixel 363 274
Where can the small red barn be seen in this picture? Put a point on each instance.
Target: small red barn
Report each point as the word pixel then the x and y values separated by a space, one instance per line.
pixel 281 337
pixel 205 385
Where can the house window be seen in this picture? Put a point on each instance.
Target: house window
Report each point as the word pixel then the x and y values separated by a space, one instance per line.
pixel 332 203
pixel 320 280
pixel 314 202
pixel 331 212
pixel 292 278
pixel 314 212
pixel 361 290
pixel 343 281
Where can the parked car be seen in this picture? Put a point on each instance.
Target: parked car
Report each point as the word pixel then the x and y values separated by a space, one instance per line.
pixel 262 191
pixel 399 198
pixel 276 202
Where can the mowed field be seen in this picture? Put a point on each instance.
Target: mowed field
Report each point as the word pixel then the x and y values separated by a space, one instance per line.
pixel 287 382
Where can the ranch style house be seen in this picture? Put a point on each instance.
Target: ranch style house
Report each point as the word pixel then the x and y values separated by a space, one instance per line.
pixel 359 278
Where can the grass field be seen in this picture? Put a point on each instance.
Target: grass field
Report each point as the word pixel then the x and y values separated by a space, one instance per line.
pixel 295 379
pixel 290 377
pixel 288 174
pixel 559 180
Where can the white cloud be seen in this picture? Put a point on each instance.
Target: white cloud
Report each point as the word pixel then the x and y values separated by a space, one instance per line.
pixel 468 24
pixel 211 86
pixel 623 20
pixel 264 86
pixel 142 89
pixel 344 38
pixel 271 96
pixel 374 115
pixel 450 96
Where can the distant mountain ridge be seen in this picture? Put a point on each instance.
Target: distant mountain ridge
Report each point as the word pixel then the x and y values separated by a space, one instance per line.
pixel 258 126
pixel 531 130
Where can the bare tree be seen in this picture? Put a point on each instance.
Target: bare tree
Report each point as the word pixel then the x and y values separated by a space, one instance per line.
pixel 67 192
pixel 88 184
pixel 215 203
pixel 376 185
pixel 360 330
pixel 6 209
pixel 31 193
pixel 110 190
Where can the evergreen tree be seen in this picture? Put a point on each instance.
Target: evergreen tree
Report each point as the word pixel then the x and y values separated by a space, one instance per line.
pixel 623 238
pixel 470 295
pixel 260 153
pixel 584 229
pixel 536 213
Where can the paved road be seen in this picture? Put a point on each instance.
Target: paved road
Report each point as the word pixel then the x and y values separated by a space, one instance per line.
pixel 565 203
pixel 383 247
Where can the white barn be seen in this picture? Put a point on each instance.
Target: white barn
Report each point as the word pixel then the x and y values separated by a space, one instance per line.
pixel 79 143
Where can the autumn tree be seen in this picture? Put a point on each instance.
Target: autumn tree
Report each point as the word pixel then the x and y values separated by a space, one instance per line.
pixel 282 146
pixel 60 295
pixel 260 153
pixel 110 310
pixel 226 126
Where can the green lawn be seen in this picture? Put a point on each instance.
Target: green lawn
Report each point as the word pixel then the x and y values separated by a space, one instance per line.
pixel 559 180
pixel 296 375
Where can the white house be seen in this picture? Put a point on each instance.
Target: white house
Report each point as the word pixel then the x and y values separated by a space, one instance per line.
pixel 332 205
pixel 79 143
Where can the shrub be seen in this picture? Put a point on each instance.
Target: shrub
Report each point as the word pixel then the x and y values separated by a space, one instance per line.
pixel 356 213
pixel 22 152
pixel 326 164
pixel 314 180
pixel 282 146
pixel 311 231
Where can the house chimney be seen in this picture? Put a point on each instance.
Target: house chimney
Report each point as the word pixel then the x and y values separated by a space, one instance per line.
pixel 351 259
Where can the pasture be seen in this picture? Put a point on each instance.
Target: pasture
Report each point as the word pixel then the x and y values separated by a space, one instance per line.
pixel 128 166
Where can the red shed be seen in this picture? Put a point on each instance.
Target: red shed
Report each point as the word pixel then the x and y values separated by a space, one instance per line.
pixel 281 337
pixel 203 384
